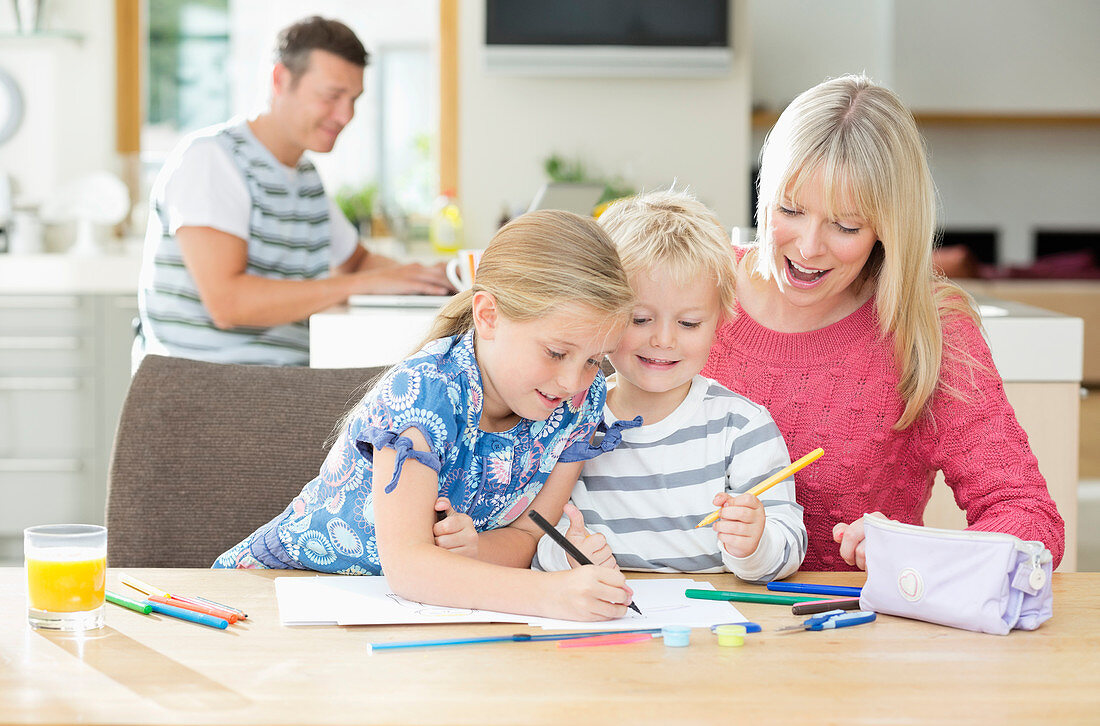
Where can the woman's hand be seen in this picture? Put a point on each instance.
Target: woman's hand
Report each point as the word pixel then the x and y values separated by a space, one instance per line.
pixel 850 537
pixel 741 524
pixel 590 593
pixel 593 546
pixel 455 532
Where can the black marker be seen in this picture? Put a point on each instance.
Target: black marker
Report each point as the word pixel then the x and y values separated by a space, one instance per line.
pixel 566 544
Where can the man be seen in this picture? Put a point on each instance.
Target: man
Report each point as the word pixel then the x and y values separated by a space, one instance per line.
pixel 243 244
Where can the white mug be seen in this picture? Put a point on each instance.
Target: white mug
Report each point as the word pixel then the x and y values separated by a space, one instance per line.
pixel 460 270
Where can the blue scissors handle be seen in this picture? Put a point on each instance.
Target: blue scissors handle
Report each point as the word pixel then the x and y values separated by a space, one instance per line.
pixel 842 619
pixel 822 618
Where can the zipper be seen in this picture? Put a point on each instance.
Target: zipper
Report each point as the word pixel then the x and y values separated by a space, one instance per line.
pixel 1037 550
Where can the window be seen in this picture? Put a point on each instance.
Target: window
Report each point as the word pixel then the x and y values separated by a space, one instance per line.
pixel 210 60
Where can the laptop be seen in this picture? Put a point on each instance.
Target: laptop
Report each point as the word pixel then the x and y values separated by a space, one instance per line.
pixel 399 301
pixel 577 197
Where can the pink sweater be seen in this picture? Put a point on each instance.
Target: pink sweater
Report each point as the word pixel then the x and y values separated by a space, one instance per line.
pixel 836 388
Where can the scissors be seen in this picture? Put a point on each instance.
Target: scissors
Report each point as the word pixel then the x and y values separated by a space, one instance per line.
pixel 834 619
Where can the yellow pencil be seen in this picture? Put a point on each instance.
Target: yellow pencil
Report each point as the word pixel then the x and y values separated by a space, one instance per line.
pixel 141 586
pixel 771 481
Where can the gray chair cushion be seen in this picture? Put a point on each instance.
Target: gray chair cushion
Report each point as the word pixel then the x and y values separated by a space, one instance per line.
pixel 206 452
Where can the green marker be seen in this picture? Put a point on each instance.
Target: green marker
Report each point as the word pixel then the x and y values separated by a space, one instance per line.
pixel 141 607
pixel 749 597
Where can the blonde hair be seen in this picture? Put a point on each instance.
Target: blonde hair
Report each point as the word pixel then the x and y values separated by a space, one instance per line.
pixel 674 231
pixel 539 263
pixel 866 144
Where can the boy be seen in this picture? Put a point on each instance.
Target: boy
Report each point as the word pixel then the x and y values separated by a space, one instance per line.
pixel 700 446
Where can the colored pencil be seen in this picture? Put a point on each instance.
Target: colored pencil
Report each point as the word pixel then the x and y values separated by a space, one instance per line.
pixel 566 545
pixel 748 597
pixel 515 638
pixel 142 586
pixel 240 613
pixel 216 610
pixel 770 481
pixel 190 615
pixel 811 589
pixel 141 607
pixel 193 607
pixel 812 607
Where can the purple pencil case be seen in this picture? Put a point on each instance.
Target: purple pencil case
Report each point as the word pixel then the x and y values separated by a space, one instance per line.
pixel 989 582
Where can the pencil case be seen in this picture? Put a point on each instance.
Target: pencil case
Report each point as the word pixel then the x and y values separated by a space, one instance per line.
pixel 988 582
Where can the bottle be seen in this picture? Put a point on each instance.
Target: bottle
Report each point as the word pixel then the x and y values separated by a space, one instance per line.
pixel 445 232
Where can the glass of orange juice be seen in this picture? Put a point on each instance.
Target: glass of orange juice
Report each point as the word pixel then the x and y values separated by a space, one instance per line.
pixel 66 575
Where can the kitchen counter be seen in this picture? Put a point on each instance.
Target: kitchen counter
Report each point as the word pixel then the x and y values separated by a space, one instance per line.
pixel 1028 343
pixel 61 274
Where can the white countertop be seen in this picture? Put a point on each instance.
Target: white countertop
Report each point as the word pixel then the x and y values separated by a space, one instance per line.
pixel 1032 344
pixel 1028 343
pixel 62 274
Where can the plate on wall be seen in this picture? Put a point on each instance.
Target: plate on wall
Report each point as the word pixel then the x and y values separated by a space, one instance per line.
pixel 11 106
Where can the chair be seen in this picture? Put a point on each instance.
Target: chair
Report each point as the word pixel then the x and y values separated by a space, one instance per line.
pixel 207 452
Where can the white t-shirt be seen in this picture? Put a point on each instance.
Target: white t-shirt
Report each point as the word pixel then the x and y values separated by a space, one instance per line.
pixel 224 203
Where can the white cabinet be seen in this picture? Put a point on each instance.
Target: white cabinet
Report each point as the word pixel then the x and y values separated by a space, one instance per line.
pixel 64 371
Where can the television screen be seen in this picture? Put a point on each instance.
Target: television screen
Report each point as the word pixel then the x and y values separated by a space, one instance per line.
pixel 641 23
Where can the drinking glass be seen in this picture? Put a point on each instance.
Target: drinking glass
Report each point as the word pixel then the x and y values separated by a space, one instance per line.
pixel 66 568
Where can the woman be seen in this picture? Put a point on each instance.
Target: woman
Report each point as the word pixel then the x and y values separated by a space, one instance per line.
pixel 849 339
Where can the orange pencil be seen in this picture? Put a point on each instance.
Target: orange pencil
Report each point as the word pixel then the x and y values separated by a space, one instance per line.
pixel 188 604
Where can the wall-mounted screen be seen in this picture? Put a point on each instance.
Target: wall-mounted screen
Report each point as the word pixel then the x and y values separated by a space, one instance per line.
pixel 608 37
pixel 644 23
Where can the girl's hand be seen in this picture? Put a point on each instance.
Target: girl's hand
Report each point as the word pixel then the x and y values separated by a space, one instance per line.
pixel 850 538
pixel 741 524
pixel 593 546
pixel 455 532
pixel 590 593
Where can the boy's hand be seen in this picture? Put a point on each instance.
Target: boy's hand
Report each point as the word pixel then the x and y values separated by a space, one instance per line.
pixel 593 546
pixel 741 524
pixel 455 532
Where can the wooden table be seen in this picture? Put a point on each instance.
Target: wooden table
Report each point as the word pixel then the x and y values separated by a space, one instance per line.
pixel 153 670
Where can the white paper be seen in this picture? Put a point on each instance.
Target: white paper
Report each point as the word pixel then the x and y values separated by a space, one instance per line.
pixel 662 602
pixel 360 600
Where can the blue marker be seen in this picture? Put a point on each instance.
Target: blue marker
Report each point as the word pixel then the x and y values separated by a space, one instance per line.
pixel 194 617
pixel 808 588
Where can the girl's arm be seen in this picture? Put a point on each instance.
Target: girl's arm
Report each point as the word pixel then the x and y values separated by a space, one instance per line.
pixel 419 570
pixel 514 545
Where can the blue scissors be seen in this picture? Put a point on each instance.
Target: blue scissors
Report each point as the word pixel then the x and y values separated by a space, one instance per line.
pixel 834 619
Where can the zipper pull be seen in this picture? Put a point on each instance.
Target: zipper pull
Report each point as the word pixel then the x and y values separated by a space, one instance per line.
pixel 1037 578
pixel 1029 576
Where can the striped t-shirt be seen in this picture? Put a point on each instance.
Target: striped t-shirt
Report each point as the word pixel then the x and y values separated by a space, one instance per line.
pixel 647 495
pixel 289 231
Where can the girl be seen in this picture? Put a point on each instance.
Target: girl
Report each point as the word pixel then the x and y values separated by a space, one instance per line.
pixel 489 419
pixel 854 345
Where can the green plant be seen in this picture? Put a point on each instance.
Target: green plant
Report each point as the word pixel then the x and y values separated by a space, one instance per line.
pixel 358 204
pixel 560 169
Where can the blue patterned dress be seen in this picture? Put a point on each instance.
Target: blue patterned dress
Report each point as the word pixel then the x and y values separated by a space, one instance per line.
pixel 493 477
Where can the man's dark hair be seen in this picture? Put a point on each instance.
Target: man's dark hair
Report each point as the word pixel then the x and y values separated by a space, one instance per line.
pixel 316 33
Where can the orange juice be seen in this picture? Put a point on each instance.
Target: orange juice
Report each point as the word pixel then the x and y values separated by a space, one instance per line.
pixel 66 586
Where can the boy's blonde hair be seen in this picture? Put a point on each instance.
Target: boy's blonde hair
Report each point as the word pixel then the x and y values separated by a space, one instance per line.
pixel 674 231
pixel 867 146
pixel 542 262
